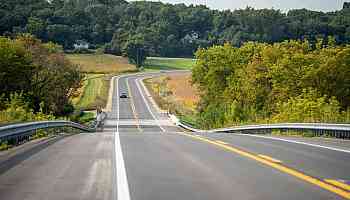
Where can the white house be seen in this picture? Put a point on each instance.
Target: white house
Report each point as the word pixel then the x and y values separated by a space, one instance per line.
pixel 81 44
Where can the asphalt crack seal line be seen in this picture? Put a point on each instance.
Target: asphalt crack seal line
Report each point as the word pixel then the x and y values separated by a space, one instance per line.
pixel 278 166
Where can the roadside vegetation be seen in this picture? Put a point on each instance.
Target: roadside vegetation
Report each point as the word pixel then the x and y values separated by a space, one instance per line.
pixel 36 80
pixel 36 83
pixel 292 81
pixel 93 93
pixel 175 94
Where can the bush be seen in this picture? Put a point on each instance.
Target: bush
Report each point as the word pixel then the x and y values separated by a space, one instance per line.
pixel 17 110
pixel 308 107
pixel 38 71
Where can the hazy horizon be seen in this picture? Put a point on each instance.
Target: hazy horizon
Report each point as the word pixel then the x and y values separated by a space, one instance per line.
pixel 317 5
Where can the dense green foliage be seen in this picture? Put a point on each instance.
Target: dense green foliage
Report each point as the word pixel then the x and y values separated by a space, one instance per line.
pixel 163 29
pixel 292 81
pixel 39 72
pixel 18 110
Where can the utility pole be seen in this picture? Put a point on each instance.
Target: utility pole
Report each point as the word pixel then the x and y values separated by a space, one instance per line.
pixel 137 57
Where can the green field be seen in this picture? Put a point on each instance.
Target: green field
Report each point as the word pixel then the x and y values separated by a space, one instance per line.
pixel 94 92
pixel 155 63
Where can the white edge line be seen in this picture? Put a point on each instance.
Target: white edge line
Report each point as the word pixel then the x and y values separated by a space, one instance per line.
pixel 147 105
pixel 298 142
pixel 155 105
pixel 122 181
pixel 118 105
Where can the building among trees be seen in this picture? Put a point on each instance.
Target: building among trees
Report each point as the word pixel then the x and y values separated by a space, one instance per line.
pixel 81 44
pixel 346 5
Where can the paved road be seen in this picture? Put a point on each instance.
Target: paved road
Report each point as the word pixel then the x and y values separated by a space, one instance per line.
pixel 142 156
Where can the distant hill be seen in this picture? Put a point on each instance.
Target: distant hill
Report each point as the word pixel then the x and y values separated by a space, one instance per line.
pixel 164 29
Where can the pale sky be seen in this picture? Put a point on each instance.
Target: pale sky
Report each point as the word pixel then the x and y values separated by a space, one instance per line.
pixel 284 5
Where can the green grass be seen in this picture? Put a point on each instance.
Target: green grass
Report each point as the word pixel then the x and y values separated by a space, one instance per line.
pixel 94 92
pixel 156 64
pixel 86 117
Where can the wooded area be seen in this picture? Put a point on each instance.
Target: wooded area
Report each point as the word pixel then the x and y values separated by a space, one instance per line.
pixel 35 78
pixel 160 29
pixel 292 81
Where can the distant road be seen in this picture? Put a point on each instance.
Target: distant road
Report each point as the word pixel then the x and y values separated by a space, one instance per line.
pixel 141 155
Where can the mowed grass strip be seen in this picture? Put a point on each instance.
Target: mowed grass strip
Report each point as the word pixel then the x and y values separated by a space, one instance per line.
pixel 101 63
pixel 94 92
pixel 155 63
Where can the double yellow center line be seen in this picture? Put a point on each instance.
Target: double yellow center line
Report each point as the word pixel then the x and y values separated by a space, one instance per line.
pixel 133 107
pixel 329 185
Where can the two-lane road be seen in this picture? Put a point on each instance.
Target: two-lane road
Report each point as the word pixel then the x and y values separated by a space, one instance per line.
pixel 142 156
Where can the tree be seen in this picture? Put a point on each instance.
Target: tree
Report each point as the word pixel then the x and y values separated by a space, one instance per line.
pixel 39 72
pixel 36 27
pixel 136 53
pixel 259 82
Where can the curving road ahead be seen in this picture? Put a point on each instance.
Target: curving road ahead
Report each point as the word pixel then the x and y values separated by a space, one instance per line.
pixel 141 155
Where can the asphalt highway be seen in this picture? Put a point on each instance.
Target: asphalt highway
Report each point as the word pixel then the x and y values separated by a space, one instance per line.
pixel 141 155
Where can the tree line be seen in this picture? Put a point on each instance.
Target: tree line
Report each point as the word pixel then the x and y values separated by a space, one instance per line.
pixel 291 81
pixel 118 26
pixel 35 77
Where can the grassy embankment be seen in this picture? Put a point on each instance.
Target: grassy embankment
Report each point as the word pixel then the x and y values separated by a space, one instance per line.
pixel 99 69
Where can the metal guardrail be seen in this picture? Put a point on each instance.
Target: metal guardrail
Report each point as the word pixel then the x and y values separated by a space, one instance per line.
pixel 318 129
pixel 19 132
pixel 29 128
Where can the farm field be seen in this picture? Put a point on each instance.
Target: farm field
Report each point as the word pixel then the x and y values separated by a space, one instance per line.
pixel 182 89
pixel 157 63
pixel 101 63
pixel 176 94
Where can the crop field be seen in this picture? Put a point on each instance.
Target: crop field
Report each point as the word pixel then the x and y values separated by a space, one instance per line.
pixel 101 63
pixel 175 91
pixel 155 63
pixel 183 90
